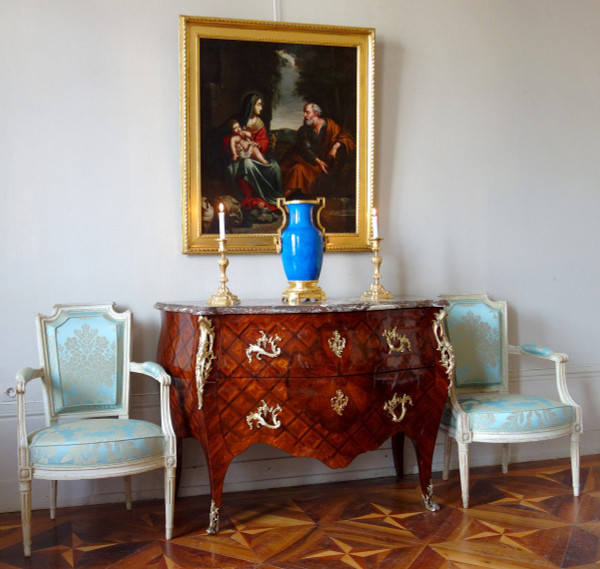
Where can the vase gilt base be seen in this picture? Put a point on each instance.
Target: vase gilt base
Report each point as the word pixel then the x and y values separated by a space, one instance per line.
pixel 301 291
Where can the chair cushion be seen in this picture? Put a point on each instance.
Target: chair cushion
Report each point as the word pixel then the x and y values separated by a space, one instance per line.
pixel 509 413
pixel 96 442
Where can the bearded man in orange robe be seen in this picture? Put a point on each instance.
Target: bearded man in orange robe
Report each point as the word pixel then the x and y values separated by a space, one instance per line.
pixel 318 146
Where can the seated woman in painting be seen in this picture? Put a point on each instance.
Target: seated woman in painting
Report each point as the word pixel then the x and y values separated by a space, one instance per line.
pixel 258 178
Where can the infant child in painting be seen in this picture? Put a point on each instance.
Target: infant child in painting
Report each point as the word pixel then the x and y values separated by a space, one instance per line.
pixel 242 146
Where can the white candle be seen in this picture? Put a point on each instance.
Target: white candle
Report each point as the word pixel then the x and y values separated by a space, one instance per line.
pixel 221 222
pixel 374 224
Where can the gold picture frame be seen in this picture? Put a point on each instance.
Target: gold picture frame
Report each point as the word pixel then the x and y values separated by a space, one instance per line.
pixel 244 89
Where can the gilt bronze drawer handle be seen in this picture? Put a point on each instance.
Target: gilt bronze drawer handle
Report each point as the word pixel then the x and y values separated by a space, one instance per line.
pixel 339 402
pixel 391 405
pixel 397 342
pixel 264 414
pixel 337 344
pixel 260 347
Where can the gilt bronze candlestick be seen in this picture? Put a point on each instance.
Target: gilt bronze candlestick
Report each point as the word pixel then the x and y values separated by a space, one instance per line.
pixel 377 291
pixel 223 296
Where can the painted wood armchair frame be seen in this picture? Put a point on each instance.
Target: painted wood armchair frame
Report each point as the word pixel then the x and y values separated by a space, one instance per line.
pixel 480 407
pixel 85 371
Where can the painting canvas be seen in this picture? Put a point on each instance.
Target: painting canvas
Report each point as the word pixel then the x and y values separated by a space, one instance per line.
pixel 274 110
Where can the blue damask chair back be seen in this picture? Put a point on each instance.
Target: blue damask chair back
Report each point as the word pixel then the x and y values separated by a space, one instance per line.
pixel 476 329
pixel 86 361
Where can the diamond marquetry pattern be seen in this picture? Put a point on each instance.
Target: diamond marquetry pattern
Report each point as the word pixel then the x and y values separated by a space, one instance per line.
pixel 309 424
pixel 301 433
pixel 178 343
pixel 302 352
pixel 305 350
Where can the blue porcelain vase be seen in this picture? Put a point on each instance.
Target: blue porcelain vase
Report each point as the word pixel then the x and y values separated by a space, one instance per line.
pixel 301 244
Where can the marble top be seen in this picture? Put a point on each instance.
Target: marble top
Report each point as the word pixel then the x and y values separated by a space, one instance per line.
pixel 279 307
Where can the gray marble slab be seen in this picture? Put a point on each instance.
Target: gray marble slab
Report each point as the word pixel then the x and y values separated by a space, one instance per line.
pixel 277 307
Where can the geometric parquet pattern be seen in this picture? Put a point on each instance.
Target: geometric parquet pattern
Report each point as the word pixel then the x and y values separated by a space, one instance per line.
pixel 525 519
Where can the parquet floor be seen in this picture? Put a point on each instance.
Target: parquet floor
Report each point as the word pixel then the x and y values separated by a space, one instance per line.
pixel 526 519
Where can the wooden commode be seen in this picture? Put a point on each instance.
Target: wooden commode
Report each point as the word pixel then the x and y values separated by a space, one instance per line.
pixel 328 381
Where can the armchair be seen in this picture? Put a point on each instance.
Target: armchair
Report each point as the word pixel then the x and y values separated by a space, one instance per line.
pixel 480 407
pixel 85 372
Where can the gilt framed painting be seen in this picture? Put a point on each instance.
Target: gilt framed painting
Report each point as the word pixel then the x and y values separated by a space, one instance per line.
pixel 274 110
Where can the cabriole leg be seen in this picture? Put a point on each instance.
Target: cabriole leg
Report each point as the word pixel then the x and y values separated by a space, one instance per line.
pixel 424 459
pixel 216 479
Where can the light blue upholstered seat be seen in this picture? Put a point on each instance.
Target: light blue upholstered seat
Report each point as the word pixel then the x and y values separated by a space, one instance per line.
pixel 85 354
pixel 480 407
pixel 511 413
pixel 96 442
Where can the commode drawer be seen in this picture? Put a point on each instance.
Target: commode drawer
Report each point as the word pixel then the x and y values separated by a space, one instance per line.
pixel 326 345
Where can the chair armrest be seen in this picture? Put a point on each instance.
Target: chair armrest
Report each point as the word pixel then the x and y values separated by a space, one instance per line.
pixel 25 375
pixel 538 352
pixel 157 372
pixel 559 360
pixel 153 370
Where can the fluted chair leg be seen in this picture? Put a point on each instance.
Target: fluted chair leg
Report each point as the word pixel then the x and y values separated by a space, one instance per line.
pixel 447 451
pixel 53 493
pixel 169 501
pixel 463 465
pixel 575 462
pixel 25 489
pixel 504 458
pixel 128 492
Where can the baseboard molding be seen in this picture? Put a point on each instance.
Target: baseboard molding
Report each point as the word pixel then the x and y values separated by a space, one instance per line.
pixel 278 472
pixel 575 374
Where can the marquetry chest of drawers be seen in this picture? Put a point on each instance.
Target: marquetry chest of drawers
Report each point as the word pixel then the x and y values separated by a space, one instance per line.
pixel 328 381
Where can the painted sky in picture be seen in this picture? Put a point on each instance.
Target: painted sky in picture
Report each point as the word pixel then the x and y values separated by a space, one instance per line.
pixel 288 112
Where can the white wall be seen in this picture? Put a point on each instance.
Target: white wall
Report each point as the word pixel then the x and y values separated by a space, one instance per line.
pixel 487 145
